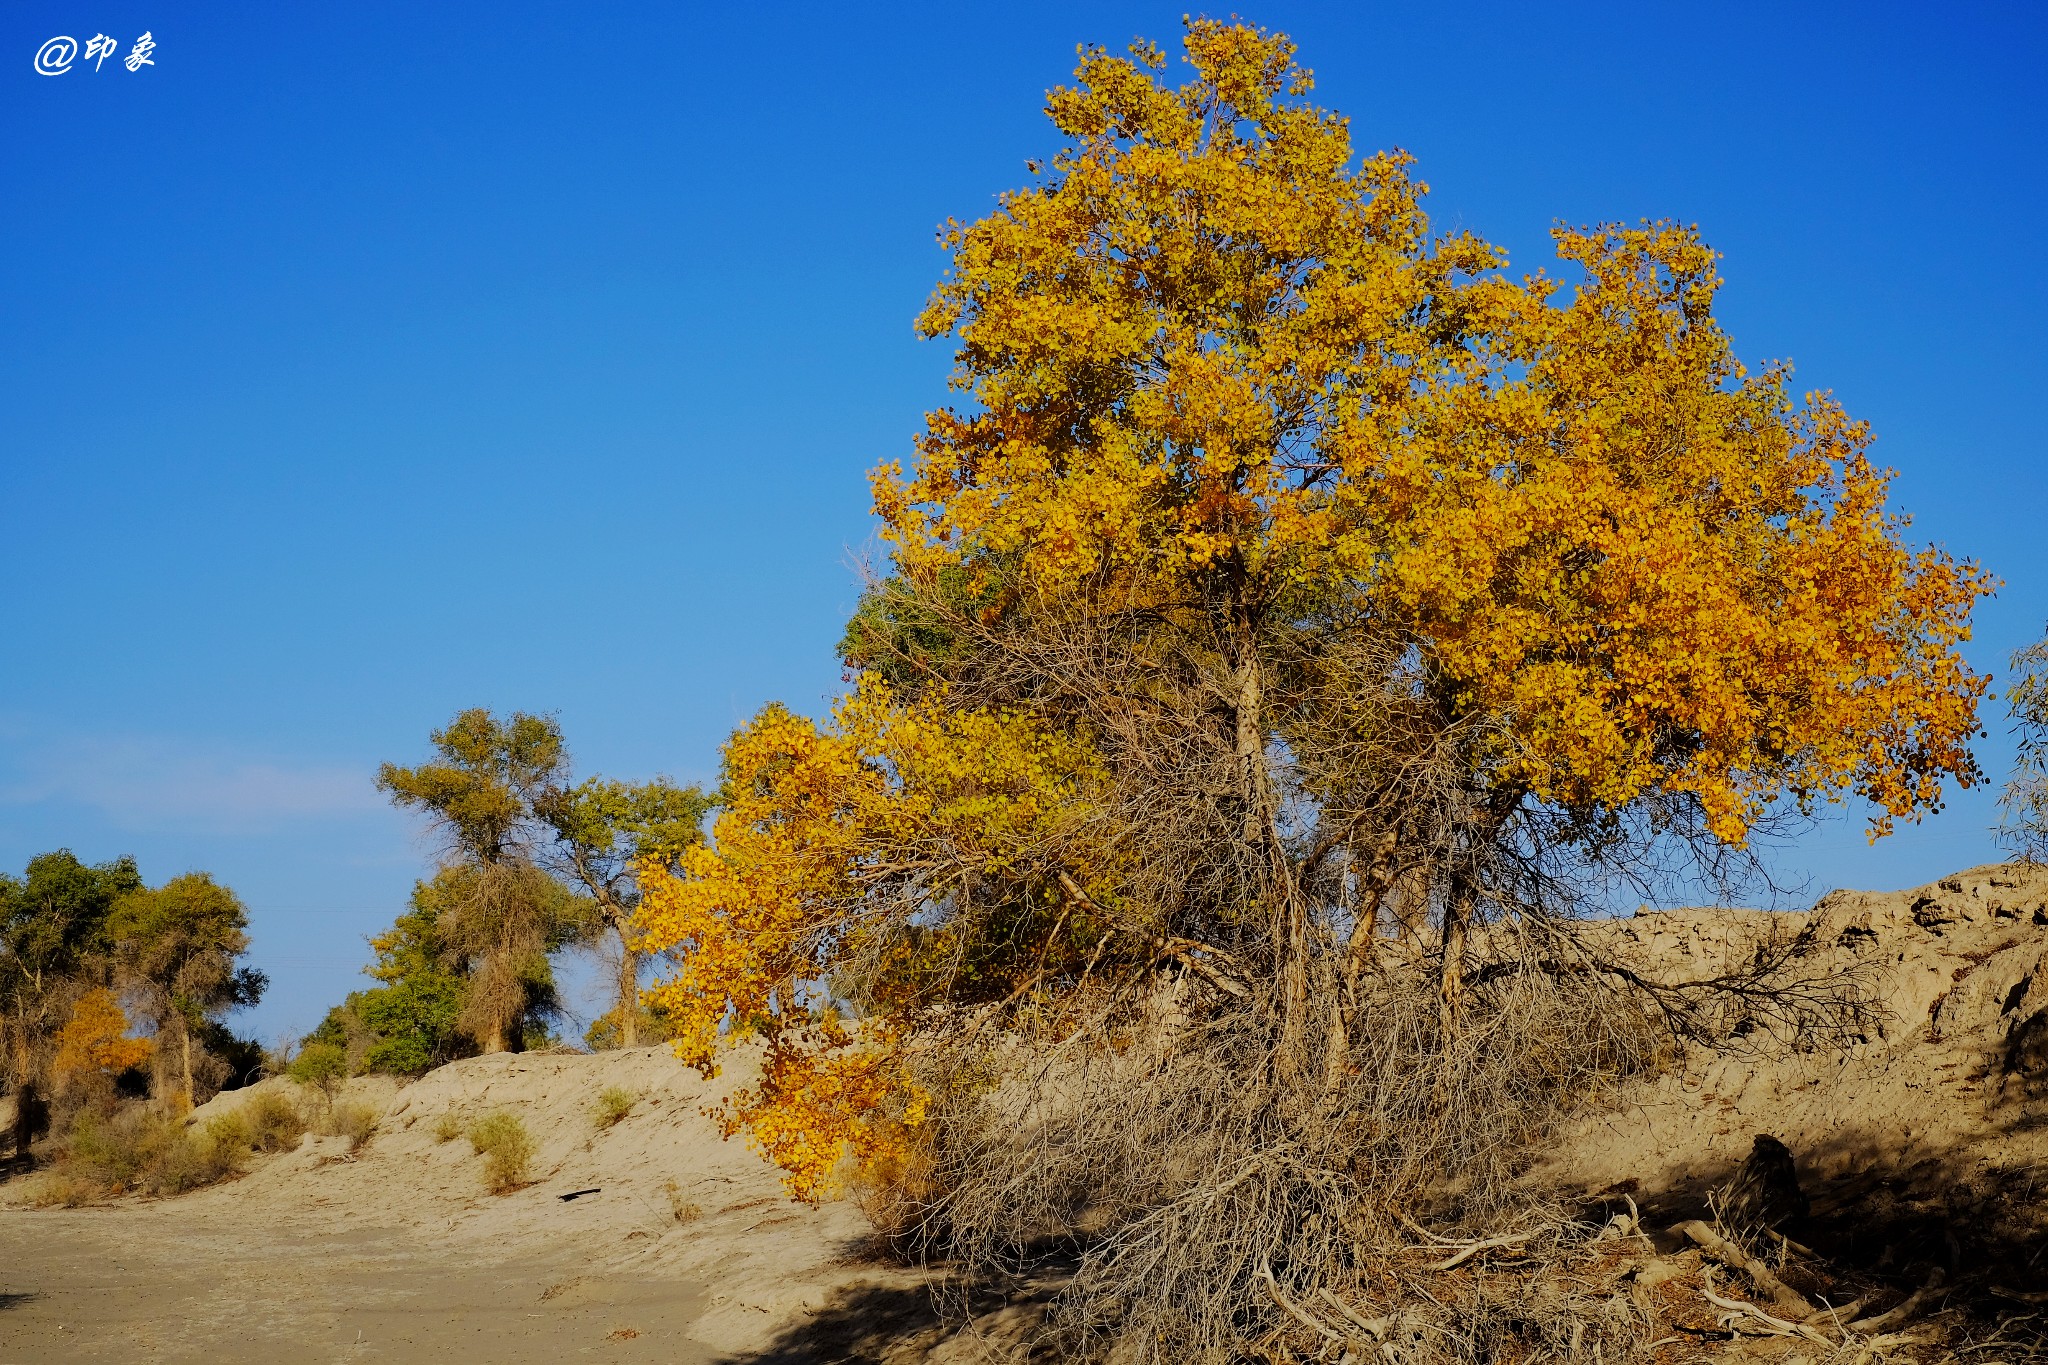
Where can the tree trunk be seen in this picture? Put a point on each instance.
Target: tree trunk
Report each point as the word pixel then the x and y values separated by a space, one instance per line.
pixel 494 1038
pixel 629 991
pixel 1290 924
pixel 1457 928
pixel 185 1057
pixel 25 1098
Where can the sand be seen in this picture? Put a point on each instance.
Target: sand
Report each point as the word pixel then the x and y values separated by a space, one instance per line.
pixel 1921 1144
pixel 397 1253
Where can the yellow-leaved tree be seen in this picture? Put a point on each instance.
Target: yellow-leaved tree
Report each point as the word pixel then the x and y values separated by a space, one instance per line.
pixel 1296 623
pixel 94 1042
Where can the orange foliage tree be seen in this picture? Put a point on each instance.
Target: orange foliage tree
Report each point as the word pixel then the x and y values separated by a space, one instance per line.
pixel 1381 579
pixel 95 1041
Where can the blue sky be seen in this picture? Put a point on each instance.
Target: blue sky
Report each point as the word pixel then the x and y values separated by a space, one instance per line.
pixel 361 363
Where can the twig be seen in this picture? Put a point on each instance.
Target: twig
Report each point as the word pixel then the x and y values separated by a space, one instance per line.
pixel 1376 1328
pixel 1514 1239
pixel 1299 1314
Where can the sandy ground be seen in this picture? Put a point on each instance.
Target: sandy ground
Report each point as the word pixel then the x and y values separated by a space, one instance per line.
pixel 397 1253
pixel 162 1285
pixel 1925 1142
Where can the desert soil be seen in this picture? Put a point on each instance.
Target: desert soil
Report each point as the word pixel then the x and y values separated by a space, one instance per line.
pixel 1922 1142
pixel 396 1253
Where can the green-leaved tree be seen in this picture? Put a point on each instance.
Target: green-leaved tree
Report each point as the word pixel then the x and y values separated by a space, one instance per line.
pixel 178 945
pixel 53 923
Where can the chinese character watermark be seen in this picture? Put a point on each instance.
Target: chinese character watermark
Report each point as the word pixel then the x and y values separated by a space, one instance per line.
pixel 55 57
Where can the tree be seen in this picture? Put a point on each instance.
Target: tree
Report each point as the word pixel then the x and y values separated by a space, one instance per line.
pixel 2024 828
pixel 52 931
pixel 409 1022
pixel 1293 577
pixel 178 944
pixel 603 831
pixel 500 915
pixel 95 1042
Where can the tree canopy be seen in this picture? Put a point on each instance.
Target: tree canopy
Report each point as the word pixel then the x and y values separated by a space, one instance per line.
pixel 1291 567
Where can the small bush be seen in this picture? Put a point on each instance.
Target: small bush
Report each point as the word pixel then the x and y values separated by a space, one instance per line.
pixel 684 1210
pixel 356 1122
pixel 273 1122
pixel 323 1066
pixel 56 1190
pixel 613 1105
pixel 448 1127
pixel 502 1140
pixel 148 1152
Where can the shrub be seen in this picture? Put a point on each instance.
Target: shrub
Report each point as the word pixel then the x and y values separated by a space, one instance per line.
pixel 613 1105
pixel 356 1122
pixel 273 1122
pixel 57 1190
pixel 321 1065
pixel 150 1153
pixel 684 1210
pixel 448 1127
pixel 502 1140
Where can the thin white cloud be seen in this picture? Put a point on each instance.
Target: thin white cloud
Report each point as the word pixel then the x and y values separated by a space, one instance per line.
pixel 162 786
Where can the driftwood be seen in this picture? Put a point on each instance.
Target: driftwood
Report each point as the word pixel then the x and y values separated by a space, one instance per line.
pixel 1773 1325
pixel 1907 1310
pixel 1784 1298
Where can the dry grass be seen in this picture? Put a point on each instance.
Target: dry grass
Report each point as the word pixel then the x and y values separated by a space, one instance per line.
pixel 613 1105
pixel 356 1122
pixel 684 1210
pixel 448 1126
pixel 273 1123
pixel 508 1150
pixel 141 1150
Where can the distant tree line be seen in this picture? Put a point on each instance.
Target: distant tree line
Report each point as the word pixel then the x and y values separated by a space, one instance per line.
pixel 81 946
pixel 533 861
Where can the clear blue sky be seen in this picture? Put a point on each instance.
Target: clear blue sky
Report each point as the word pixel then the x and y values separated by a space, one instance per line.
pixel 361 363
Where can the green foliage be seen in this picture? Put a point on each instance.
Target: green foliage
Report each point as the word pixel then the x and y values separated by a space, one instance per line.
pixel 243 1059
pixel 650 1025
pixel 502 1140
pixel 602 827
pixel 53 919
pixel 907 637
pixel 613 1104
pixel 324 1066
pixel 479 792
pixel 179 943
pixel 408 1023
pixel 53 930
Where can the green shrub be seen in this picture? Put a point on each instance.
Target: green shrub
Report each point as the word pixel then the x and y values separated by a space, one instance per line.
pixel 502 1140
pixel 322 1065
pixel 614 1104
pixel 448 1127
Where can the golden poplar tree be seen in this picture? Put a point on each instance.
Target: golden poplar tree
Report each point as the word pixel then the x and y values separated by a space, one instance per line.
pixel 1289 573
